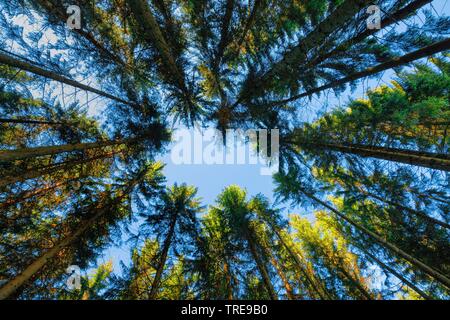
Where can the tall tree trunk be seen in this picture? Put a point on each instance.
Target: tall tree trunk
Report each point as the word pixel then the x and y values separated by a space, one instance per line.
pixel 35 173
pixel 417 158
pixel 56 10
pixel 40 262
pixel 19 280
pixel 434 198
pixel 340 16
pixel 425 129
pixel 107 53
pixel 169 22
pixel 422 195
pixel 224 32
pixel 397 275
pixel 16 63
pixel 397 205
pixel 229 287
pixel 356 283
pixel 152 32
pixel 248 24
pixel 30 194
pixel 261 266
pixel 298 263
pixel 162 261
pixel 298 54
pixel 385 22
pixel 402 207
pixel 282 275
pixel 32 121
pixel 392 63
pixel 415 262
pixel 25 153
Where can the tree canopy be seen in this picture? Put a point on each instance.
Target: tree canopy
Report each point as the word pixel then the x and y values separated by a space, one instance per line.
pixel 361 206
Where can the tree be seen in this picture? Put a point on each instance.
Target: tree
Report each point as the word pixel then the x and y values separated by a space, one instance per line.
pixel 293 187
pixel 90 219
pixel 174 218
pixel 236 214
pixel 329 251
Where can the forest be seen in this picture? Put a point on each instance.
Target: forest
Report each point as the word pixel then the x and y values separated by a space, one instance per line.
pixel 360 203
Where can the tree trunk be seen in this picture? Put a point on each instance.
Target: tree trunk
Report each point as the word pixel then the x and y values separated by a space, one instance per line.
pixel 298 263
pixel 171 29
pixel 31 121
pixel 281 274
pixel 356 283
pixel 415 262
pixel 226 270
pixel 402 207
pixel 150 29
pixel 162 262
pixel 397 275
pixel 298 54
pixel 417 158
pixel 385 22
pixel 56 10
pixel 15 63
pixel 29 194
pixel 25 153
pixel 261 267
pixel 340 16
pixel 248 24
pixel 36 266
pixel 31 174
pixel 392 63
pixel 224 32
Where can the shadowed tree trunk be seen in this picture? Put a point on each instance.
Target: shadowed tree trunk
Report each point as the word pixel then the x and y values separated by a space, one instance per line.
pixel 298 54
pixel 56 10
pixel 418 158
pixel 162 261
pixel 397 275
pixel 402 207
pixel 261 266
pixel 282 275
pixel 25 153
pixel 392 63
pixel 397 205
pixel 356 284
pixel 385 22
pixel 35 173
pixel 340 16
pixel 249 23
pixel 224 32
pixel 297 262
pixel 32 121
pixel 30 194
pixel 152 32
pixel 229 287
pixel 16 63
pixel 40 262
